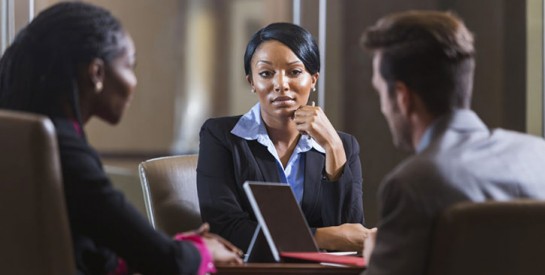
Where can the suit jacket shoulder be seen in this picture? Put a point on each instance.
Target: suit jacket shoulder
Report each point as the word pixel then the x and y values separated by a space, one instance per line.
pixel 465 161
pixel 220 124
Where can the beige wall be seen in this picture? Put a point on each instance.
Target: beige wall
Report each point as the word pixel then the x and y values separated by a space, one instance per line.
pixel 534 78
pixel 148 125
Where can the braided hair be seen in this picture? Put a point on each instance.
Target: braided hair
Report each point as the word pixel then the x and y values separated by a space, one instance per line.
pixel 38 71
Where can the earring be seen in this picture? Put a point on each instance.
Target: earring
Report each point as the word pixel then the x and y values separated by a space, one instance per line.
pixel 253 91
pixel 314 89
pixel 98 87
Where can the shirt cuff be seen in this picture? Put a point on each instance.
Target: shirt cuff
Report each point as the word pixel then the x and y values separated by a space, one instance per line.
pixel 207 264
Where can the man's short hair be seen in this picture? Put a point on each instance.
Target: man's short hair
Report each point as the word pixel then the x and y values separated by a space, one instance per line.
pixel 431 52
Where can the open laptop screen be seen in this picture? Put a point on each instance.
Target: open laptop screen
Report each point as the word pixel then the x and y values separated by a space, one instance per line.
pixel 280 218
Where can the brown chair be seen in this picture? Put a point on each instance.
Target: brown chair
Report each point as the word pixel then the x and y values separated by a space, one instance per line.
pixel 169 185
pixel 34 235
pixel 490 238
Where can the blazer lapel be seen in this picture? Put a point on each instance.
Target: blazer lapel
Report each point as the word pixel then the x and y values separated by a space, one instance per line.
pixel 266 169
pixel 314 161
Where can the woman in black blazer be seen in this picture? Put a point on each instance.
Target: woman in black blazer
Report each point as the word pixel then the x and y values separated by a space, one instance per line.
pixel 72 62
pixel 282 139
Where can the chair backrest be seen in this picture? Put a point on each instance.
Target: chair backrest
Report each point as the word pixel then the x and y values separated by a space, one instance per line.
pixel 34 235
pixel 490 238
pixel 169 185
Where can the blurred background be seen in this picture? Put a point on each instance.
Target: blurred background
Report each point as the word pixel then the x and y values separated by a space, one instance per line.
pixel 190 68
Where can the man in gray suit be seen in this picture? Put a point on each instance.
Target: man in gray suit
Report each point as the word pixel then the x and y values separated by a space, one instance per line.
pixel 423 72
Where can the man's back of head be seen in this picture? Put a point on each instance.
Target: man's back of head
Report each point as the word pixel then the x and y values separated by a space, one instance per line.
pixel 431 52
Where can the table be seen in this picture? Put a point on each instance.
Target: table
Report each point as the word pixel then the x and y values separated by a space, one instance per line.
pixel 287 268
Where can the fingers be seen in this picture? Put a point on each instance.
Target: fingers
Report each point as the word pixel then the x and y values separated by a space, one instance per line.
pixel 369 244
pixel 305 116
pixel 354 235
pixel 220 253
pixel 236 260
pixel 203 229
pixel 226 243
pixel 306 111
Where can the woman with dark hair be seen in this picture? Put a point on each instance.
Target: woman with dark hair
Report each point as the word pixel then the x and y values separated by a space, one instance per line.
pixel 72 62
pixel 282 139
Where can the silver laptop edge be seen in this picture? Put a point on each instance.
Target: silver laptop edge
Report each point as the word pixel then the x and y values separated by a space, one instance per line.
pixel 261 221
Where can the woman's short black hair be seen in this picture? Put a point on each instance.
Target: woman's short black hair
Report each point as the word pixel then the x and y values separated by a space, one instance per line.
pixel 38 71
pixel 299 40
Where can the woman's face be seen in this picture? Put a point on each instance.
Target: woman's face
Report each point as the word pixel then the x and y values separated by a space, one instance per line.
pixel 280 80
pixel 119 83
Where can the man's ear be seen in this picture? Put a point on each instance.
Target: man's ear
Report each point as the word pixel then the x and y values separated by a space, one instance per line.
pixel 404 98
pixel 96 73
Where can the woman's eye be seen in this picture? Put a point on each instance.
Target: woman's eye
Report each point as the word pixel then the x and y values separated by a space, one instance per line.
pixel 296 72
pixel 265 74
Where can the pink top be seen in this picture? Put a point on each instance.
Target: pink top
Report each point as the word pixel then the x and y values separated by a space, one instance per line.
pixel 207 264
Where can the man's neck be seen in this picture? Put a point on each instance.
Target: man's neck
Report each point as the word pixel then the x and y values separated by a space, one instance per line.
pixel 420 123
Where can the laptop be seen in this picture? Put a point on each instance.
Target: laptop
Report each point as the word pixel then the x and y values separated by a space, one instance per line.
pixel 282 225
pixel 283 232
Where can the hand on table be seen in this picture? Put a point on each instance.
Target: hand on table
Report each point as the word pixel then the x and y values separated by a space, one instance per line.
pixel 369 245
pixel 222 251
pixel 344 237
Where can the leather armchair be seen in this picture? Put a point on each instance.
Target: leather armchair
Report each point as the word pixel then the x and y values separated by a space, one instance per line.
pixel 34 236
pixel 490 238
pixel 169 185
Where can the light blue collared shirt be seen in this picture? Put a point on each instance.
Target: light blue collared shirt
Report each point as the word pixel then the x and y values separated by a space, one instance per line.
pixel 251 127
pixel 426 137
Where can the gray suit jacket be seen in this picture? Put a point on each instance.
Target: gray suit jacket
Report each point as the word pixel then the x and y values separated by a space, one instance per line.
pixel 465 161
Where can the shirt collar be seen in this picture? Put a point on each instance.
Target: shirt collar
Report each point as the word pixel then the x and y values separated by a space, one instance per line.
pixel 459 120
pixel 426 137
pixel 250 126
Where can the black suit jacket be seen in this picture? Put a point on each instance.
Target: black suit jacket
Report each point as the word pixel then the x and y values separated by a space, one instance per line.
pixel 226 161
pixel 104 225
